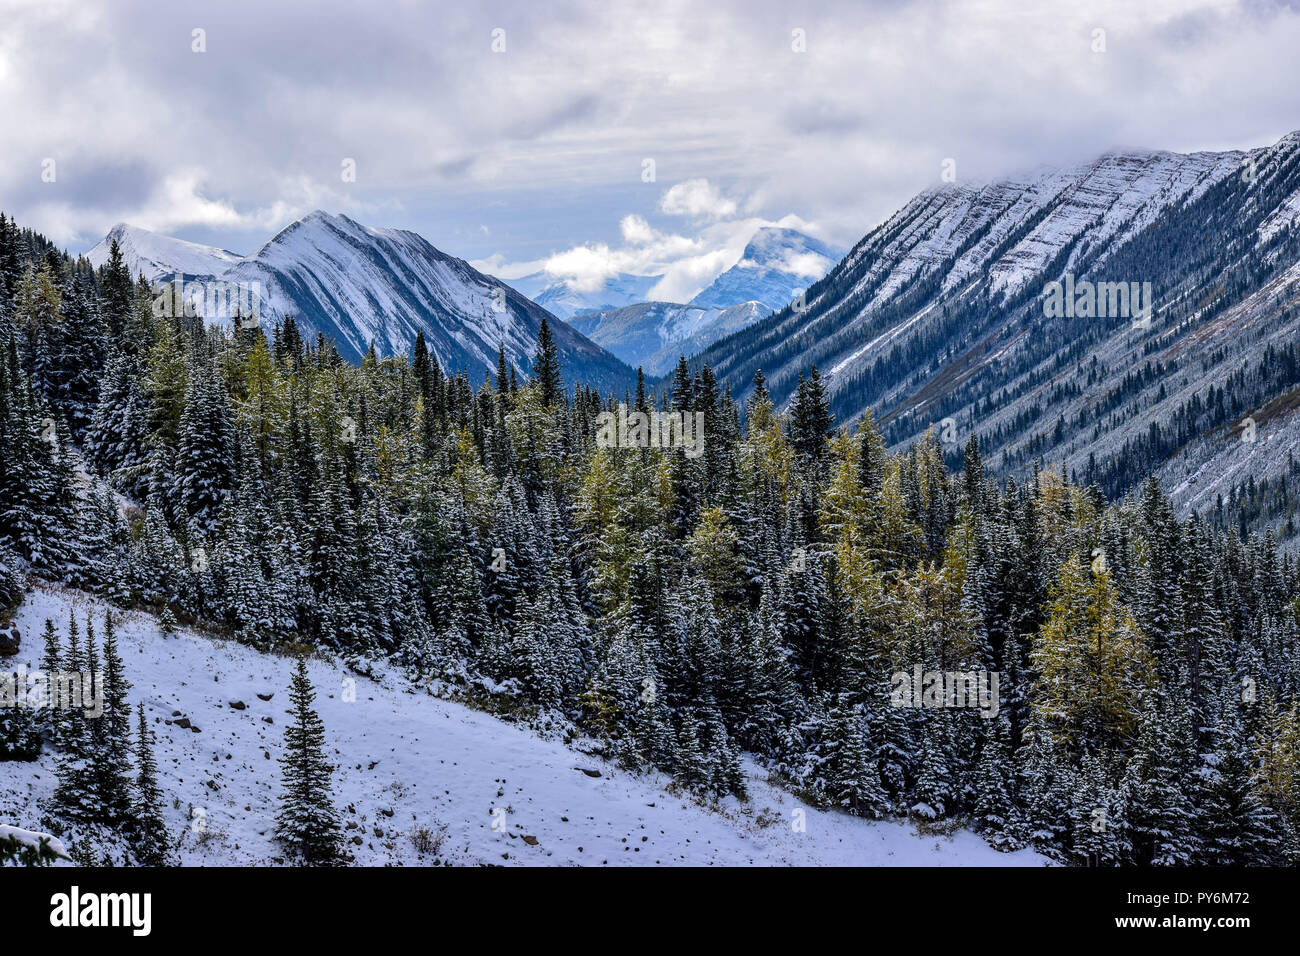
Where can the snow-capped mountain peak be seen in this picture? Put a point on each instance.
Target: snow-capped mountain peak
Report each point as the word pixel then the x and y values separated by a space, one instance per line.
pixel 155 256
pixel 776 265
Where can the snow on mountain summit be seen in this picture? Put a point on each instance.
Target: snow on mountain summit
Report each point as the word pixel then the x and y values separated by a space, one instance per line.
pixel 156 256
pixel 776 265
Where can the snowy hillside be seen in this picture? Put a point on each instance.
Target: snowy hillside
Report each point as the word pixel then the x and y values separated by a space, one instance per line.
pixel 652 335
pixel 407 760
pixel 359 285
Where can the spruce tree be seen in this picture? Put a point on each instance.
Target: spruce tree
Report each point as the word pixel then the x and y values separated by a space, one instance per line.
pixel 855 780
pixel 150 840
pixel 205 456
pixel 546 367
pixel 995 807
pixel 306 824
pixel 20 729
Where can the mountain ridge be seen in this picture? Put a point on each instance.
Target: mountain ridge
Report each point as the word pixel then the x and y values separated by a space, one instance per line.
pixel 360 285
pixel 937 314
pixel 653 335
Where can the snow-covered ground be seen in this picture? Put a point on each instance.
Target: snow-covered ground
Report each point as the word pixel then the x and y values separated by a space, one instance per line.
pixel 408 760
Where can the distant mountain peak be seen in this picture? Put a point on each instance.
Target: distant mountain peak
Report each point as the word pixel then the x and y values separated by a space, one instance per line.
pixel 652 335
pixel 776 265
pixel 560 297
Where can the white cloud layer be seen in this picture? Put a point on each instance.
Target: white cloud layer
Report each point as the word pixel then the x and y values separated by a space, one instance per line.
pixel 697 198
pixel 528 154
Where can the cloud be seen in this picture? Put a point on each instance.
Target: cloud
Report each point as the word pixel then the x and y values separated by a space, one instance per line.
pixel 697 198
pixel 586 267
pixel 805 265
pixel 544 143
pixel 635 229
pixel 684 263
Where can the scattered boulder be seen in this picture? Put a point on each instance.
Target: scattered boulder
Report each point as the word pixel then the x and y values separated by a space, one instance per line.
pixel 588 771
pixel 530 840
pixel 9 641
pixel 265 696
pixel 237 705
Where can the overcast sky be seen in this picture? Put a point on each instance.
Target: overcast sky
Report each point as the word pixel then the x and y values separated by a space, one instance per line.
pixel 825 116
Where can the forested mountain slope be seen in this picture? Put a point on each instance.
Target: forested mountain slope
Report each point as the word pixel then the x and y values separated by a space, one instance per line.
pixel 940 313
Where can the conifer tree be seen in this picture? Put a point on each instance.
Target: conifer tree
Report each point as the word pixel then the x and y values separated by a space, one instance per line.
pixel 1164 823
pixel 935 793
pixel 20 729
pixel 810 418
pixel 995 808
pixel 855 783
pixel 150 840
pixel 546 367
pixel 205 454
pixel 307 824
